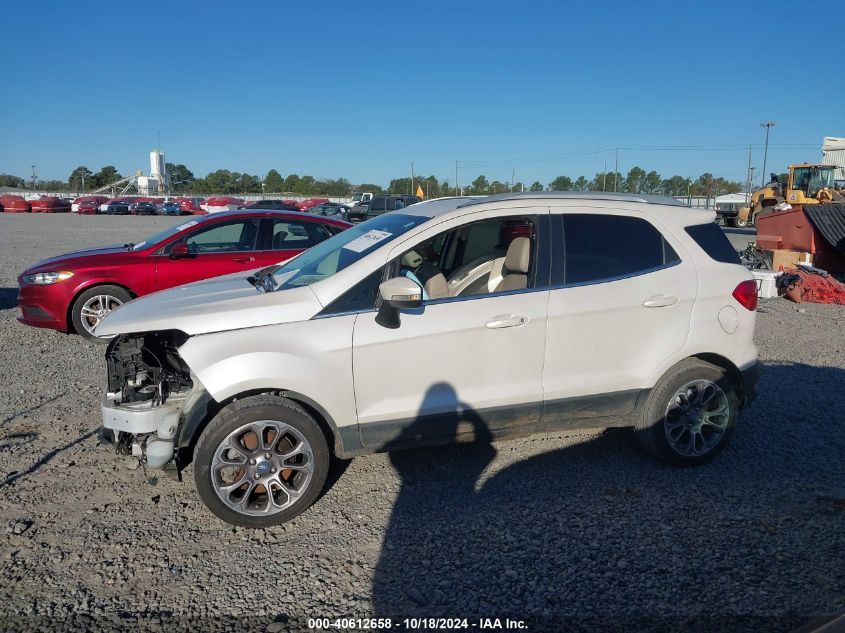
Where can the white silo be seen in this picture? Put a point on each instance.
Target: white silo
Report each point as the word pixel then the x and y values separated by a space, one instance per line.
pixel 157 168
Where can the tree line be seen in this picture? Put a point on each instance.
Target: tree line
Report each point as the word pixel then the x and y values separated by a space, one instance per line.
pixel 223 181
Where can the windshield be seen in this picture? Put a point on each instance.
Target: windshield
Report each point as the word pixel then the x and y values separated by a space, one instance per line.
pixel 342 250
pixel 163 235
pixel 819 179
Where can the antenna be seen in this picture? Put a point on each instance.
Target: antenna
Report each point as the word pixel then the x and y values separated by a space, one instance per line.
pixel 158 133
pixel 33 176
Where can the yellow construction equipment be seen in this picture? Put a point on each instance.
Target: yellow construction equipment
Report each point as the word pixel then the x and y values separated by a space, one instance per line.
pixel 806 184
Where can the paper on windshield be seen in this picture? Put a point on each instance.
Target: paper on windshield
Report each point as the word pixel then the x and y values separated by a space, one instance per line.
pixel 367 240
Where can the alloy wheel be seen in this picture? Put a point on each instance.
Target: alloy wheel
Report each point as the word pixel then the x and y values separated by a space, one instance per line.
pixel 697 418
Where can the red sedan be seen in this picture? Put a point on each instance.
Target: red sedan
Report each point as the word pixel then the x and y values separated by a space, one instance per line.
pixel 50 204
pixel 73 292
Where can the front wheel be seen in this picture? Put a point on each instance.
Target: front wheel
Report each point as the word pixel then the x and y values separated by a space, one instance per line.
pixel 260 462
pixel 690 414
pixel 93 305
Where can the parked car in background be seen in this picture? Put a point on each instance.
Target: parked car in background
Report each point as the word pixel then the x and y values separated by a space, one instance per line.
pixel 172 208
pixel 15 204
pixel 88 207
pixel 77 202
pixel 456 320
pixel 118 206
pixel 144 207
pixel 50 204
pixel 192 206
pixel 216 204
pixel 306 204
pixel 334 209
pixel 74 292
pixel 378 205
pixel 278 205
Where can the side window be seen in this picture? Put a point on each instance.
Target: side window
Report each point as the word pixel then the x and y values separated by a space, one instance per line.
pixel 290 234
pixel 483 257
pixel 714 242
pixel 601 247
pixel 378 204
pixel 362 296
pixel 224 237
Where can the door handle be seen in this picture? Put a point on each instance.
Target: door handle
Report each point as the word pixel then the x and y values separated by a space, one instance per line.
pixel 243 260
pixel 506 320
pixel 660 301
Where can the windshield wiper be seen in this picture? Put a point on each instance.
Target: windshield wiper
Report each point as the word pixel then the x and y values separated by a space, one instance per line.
pixel 263 279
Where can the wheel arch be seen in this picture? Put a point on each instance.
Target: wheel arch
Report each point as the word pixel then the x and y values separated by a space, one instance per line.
pixel 69 312
pixel 344 442
pixel 732 371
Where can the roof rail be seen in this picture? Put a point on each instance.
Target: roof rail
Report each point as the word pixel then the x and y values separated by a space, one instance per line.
pixel 580 195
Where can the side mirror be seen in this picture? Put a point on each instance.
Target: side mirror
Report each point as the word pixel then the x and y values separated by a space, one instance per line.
pixel 179 251
pixel 397 293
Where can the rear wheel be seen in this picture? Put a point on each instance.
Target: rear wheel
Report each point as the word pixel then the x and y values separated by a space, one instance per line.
pixel 93 305
pixel 262 461
pixel 690 414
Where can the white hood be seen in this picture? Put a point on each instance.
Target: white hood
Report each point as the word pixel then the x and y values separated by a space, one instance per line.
pixel 222 303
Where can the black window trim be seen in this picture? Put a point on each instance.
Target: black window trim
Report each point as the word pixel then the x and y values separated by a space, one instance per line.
pixel 559 242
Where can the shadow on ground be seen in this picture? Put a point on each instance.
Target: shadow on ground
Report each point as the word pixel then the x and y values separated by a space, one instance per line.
pixel 8 298
pixel 599 536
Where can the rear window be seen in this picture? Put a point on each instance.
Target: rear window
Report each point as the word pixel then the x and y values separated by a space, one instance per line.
pixel 713 241
pixel 606 247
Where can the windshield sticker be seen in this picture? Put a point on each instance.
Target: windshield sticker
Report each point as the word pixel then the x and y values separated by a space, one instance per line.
pixel 187 225
pixel 367 240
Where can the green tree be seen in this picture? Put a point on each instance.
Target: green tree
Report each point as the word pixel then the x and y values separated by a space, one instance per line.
pixel 675 186
pixel 106 176
pixel 518 186
pixel 374 189
pixel 536 186
pixel 307 186
pixel 605 181
pixel 76 182
pixel 561 183
pixel 200 185
pixel 247 183
pixel 291 183
pixel 273 182
pixel 479 186
pixel 651 183
pixel 635 180
pixel 581 184
pixel 56 186
pixel 181 178
pixel 221 181
pixel 399 185
pixel 7 180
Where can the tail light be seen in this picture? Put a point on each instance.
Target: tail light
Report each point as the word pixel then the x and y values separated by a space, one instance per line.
pixel 746 294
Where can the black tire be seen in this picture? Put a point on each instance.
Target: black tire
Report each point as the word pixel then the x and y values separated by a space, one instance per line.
pixel 253 409
pixel 115 292
pixel 741 223
pixel 651 430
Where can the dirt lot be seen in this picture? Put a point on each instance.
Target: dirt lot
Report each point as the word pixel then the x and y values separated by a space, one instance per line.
pixel 578 530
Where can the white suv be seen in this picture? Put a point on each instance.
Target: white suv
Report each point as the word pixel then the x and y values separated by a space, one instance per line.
pixel 453 320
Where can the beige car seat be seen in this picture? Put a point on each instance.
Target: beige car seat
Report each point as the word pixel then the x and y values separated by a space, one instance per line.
pixel 436 287
pixel 515 268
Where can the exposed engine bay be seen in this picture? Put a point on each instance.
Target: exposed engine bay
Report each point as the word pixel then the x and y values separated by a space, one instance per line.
pixel 147 367
pixel 149 387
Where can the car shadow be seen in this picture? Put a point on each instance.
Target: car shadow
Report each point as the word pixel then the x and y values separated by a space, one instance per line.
pixel 8 298
pixel 14 476
pixel 597 535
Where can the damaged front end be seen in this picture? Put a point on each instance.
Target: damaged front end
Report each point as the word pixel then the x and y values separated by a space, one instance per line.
pixel 149 389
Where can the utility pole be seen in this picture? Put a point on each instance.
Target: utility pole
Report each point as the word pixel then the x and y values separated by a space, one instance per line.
pixel 749 174
pixel 604 178
pixel 412 179
pixel 513 176
pixel 83 181
pixel 616 169
pixel 33 176
pixel 456 178
pixel 769 125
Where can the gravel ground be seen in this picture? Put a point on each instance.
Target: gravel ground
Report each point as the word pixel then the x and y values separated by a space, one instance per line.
pixel 577 530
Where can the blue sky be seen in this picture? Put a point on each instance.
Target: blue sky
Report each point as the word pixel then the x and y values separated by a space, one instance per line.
pixel 362 89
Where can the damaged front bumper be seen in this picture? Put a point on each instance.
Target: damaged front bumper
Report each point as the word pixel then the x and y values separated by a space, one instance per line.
pixel 152 427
